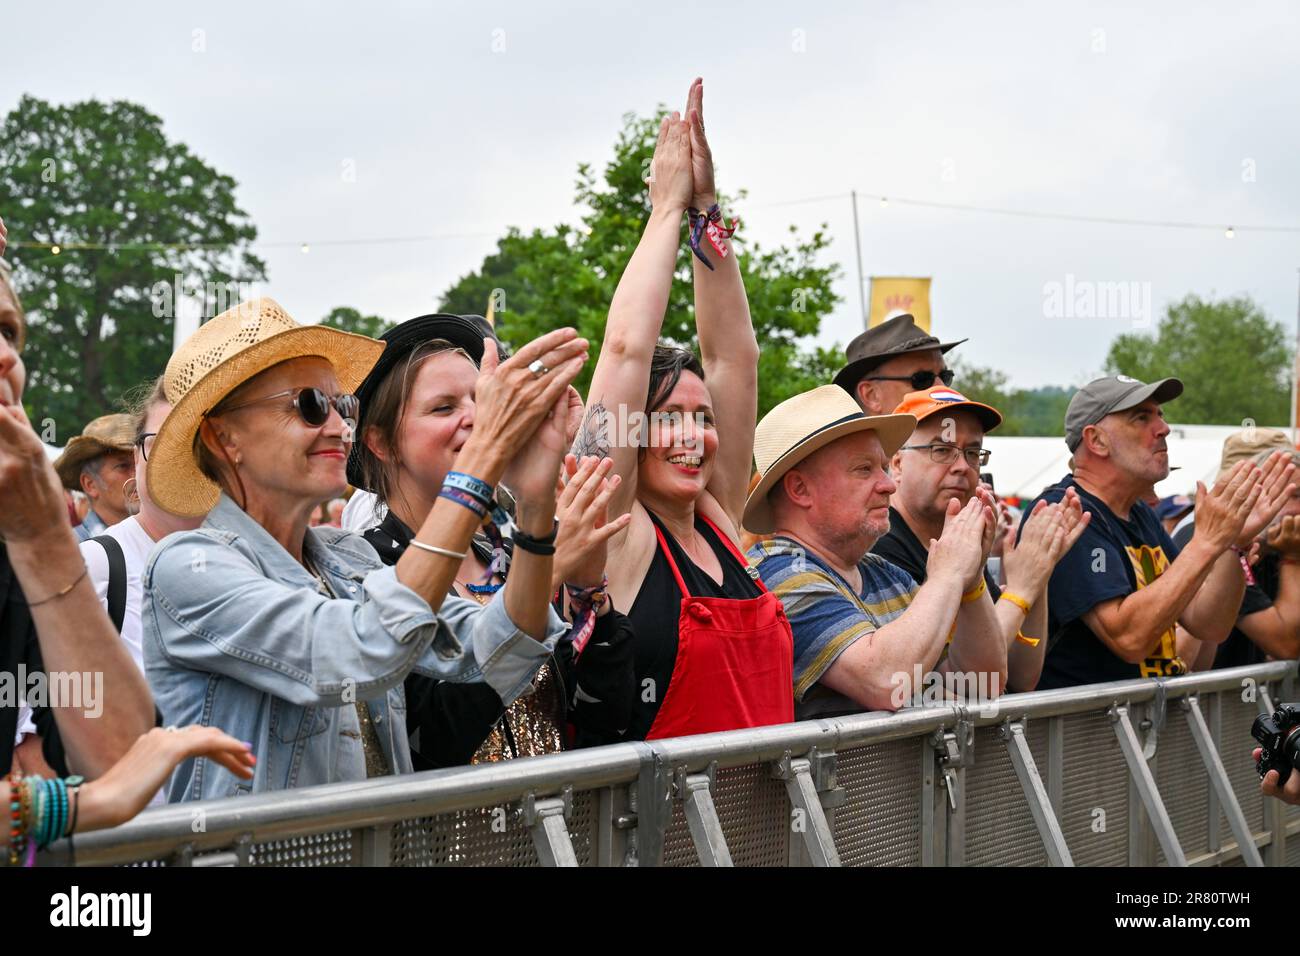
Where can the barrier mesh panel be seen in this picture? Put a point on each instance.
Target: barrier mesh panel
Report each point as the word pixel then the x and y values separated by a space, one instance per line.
pixel 880 821
pixel 335 848
pixel 1235 748
pixel 1000 829
pixel 1183 783
pixel 1094 791
pixel 486 836
pixel 754 812
pixel 1293 850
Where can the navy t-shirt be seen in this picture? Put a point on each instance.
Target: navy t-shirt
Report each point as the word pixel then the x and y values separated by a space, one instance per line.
pixel 1112 559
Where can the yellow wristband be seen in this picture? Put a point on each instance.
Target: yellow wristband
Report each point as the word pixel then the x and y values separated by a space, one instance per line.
pixel 1017 600
pixel 974 594
pixel 1031 641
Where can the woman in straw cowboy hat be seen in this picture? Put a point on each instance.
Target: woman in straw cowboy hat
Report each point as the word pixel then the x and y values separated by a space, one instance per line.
pixel 296 638
pixel 713 650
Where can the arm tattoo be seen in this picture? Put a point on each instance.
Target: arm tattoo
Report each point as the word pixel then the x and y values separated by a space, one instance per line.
pixel 593 436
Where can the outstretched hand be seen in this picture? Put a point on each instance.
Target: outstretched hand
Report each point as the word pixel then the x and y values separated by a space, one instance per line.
pixel 671 178
pixel 705 193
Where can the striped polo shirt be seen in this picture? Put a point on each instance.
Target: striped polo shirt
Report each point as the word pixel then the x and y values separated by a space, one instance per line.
pixel 826 614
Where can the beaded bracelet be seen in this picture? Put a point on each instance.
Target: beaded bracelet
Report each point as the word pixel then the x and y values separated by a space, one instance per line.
pixel 17 827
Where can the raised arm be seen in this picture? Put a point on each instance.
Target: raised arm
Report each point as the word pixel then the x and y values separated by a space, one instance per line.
pixel 728 349
pixel 74 633
pixel 622 376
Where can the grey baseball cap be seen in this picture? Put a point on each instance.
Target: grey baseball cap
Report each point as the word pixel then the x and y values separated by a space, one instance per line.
pixel 1115 393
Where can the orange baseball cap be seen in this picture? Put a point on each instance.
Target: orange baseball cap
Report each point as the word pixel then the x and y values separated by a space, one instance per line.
pixel 942 398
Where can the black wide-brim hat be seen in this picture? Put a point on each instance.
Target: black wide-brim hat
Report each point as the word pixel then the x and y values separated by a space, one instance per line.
pixel 463 331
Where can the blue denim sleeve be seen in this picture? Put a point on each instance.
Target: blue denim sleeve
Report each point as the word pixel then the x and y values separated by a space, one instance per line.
pixel 506 657
pixel 213 610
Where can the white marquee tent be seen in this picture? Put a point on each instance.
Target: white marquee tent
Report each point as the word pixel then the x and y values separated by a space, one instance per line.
pixel 1025 466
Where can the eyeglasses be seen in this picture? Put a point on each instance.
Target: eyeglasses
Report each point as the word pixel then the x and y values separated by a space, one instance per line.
pixel 312 404
pixel 942 454
pixel 920 381
pixel 144 444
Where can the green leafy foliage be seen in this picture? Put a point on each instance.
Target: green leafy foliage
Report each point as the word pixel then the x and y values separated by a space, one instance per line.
pixel 105 174
pixel 1233 359
pixel 1025 412
pixel 348 319
pixel 547 279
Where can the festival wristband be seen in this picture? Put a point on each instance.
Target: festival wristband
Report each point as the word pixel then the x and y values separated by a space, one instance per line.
pixel 477 487
pixel 465 500
pixel 1017 600
pixel 974 594
pixel 584 605
pixel 1031 641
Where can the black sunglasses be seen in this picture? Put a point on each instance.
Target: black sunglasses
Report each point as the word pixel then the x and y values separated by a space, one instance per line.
pixel 141 441
pixel 313 405
pixel 920 380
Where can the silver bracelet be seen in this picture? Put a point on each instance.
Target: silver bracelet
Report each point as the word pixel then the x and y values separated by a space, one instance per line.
pixel 434 549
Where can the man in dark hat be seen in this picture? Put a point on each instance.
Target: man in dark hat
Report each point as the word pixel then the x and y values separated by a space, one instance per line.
pixel 1115 598
pixel 891 359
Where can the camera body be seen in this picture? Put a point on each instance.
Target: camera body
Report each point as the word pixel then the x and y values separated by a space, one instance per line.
pixel 1278 734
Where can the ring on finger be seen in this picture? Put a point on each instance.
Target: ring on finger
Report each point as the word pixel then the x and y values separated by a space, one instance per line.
pixel 538 367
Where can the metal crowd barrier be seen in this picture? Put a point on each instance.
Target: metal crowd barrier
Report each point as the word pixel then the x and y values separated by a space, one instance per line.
pixel 1136 773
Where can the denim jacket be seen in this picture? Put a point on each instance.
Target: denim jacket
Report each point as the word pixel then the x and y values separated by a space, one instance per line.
pixel 238 636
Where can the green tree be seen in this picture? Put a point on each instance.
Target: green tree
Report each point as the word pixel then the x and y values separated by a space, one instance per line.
pixel 566 276
pixel 137 219
pixel 1039 411
pixel 348 319
pixel 1233 359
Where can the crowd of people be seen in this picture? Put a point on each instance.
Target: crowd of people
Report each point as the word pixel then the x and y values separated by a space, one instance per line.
pixel 522 570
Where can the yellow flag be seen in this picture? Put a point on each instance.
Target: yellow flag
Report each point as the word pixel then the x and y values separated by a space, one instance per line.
pixel 491 311
pixel 894 295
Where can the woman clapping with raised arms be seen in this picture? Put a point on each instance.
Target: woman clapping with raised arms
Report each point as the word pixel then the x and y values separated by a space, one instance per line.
pixel 712 647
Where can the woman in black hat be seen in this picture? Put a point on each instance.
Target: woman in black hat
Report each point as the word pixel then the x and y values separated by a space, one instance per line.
pixel 417 410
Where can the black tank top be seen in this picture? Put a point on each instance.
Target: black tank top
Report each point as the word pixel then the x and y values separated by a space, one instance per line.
pixel 655 612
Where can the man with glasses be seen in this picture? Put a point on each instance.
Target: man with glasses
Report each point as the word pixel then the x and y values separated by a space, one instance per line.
pixel 99 462
pixel 941 464
pixel 1118 594
pixel 891 359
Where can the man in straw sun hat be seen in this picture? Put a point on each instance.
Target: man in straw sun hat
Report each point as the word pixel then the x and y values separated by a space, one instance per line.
pixel 864 631
pixel 298 639
pixel 100 462
pixel 1268 621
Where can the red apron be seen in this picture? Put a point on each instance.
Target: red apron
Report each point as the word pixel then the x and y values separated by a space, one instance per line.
pixel 735 661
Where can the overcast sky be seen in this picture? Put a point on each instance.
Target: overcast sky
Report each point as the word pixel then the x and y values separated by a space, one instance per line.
pixel 461 121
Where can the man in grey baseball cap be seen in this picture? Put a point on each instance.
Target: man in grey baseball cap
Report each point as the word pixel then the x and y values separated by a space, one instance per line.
pixel 1115 393
pixel 1117 597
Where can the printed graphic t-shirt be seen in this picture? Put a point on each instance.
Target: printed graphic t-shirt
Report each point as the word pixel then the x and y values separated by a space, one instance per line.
pixel 1113 559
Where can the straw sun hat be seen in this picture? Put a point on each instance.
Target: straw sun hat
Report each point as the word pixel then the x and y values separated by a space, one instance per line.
pixel 105 434
pixel 798 427
pixel 224 353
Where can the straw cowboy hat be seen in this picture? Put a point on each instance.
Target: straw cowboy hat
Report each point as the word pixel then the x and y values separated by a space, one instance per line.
pixel 799 426
pixel 108 433
pixel 223 354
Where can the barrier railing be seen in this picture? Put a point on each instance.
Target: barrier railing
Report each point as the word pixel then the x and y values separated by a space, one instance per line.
pixel 1132 773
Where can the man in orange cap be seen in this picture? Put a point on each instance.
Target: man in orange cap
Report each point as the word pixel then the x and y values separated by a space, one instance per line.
pixel 940 464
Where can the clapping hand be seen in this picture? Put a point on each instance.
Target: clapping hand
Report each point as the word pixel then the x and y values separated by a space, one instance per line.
pixel 1277 484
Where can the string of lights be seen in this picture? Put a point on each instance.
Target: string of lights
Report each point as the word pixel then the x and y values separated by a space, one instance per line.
pixel 305 246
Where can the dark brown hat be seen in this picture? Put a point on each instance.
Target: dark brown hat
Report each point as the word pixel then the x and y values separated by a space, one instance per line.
pixel 898 336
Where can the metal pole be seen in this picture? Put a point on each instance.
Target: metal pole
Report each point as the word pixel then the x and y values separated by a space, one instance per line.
pixel 862 295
